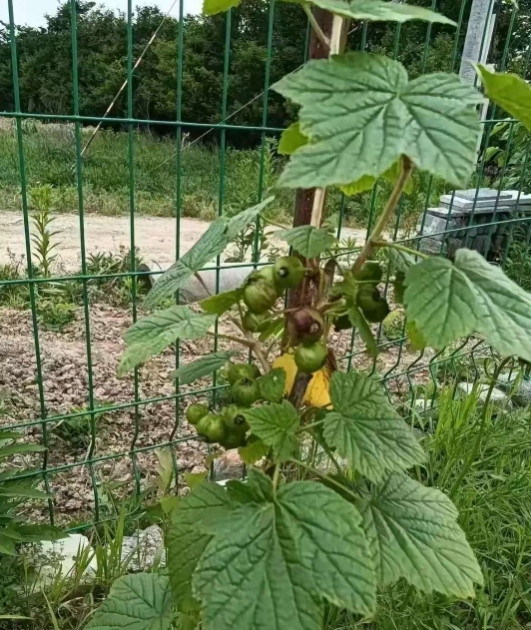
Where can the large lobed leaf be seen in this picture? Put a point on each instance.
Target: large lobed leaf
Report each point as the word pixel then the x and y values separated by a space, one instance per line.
pixel 361 114
pixel 275 424
pixel 308 240
pixel 187 539
pixel 154 333
pixel 279 554
pixel 509 91
pixel 413 534
pixel 136 602
pixel 376 10
pixel 446 301
pixel 211 7
pixel 366 430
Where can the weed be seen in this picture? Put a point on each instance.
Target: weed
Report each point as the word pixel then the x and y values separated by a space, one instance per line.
pixel 13 295
pixel 43 237
pixel 115 290
pixel 77 431
pixel 494 501
pixel 54 315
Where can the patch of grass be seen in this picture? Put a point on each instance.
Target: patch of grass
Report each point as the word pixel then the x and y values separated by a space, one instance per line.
pixel 50 157
pixel 78 431
pixel 518 263
pixel 13 295
pixel 494 503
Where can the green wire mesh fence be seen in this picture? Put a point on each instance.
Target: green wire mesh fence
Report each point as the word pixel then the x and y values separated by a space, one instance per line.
pixel 124 471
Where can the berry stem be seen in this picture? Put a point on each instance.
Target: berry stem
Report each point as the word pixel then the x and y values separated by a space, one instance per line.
pixel 406 168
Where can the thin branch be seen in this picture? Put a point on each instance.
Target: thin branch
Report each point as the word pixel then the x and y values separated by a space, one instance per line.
pixel 243 342
pixel 315 25
pixel 202 283
pixel 335 45
pixel 390 207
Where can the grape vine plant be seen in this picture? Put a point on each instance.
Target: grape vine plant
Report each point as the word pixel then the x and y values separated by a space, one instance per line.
pixel 275 549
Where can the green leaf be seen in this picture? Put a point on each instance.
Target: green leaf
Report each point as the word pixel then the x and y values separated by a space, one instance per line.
pixel 24 489
pixel 291 139
pixel 361 114
pixel 413 534
pixel 15 449
pixel 7 545
pixel 509 91
pixel 364 330
pixel 309 241
pixel 245 218
pixel 210 245
pixel 272 385
pixel 193 480
pixel 253 451
pixel 211 7
pixel 397 259
pixel 201 367
pixel 366 430
pixel 277 558
pixel 186 539
pixel 273 329
pixel 376 10
pixel 275 424
pixel 10 435
pixel 439 299
pixel 367 181
pixel 416 339
pixel 221 302
pixel 447 301
pixel 36 533
pixel 156 332
pixel 136 602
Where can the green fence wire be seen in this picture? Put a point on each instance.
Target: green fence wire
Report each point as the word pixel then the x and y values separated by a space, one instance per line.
pixel 402 370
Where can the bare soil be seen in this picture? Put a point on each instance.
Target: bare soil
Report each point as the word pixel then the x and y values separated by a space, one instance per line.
pixel 66 380
pixel 121 458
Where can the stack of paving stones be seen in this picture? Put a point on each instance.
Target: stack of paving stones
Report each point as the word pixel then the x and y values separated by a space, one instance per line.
pixel 465 218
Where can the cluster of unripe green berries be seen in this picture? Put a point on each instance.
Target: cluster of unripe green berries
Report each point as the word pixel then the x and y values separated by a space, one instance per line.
pixel 263 287
pixel 228 427
pixel 305 326
pixel 368 298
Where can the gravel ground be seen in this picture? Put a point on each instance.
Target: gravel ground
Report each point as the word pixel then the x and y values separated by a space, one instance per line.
pixel 65 390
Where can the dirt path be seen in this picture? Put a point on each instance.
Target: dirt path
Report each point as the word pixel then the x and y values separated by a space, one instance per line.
pixel 154 237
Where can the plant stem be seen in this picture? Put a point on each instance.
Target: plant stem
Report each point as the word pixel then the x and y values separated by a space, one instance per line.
pixel 251 343
pixel 335 44
pixel 315 25
pixel 243 342
pixel 483 423
pixel 202 283
pixel 276 476
pixel 312 425
pixel 405 173
pixel 401 248
pixel 331 481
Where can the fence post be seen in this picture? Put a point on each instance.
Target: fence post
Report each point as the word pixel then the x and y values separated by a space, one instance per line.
pixel 304 198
